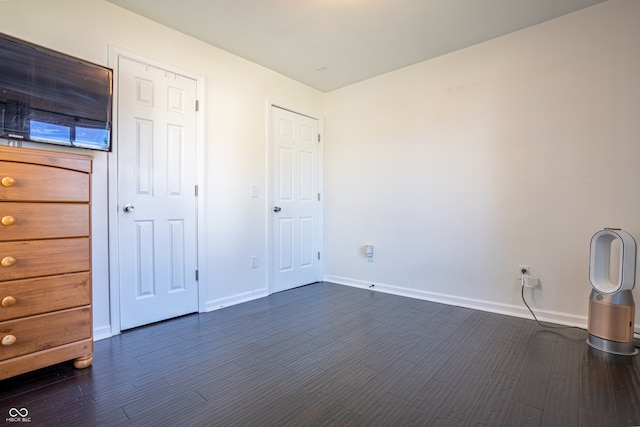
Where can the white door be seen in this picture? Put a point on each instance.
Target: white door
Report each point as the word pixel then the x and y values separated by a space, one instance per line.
pixel 156 194
pixel 295 201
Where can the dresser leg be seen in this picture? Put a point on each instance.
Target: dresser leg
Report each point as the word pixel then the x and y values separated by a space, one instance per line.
pixel 83 362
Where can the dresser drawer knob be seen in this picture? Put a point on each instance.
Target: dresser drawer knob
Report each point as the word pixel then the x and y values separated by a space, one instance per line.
pixel 8 220
pixel 8 261
pixel 8 301
pixel 8 340
pixel 7 181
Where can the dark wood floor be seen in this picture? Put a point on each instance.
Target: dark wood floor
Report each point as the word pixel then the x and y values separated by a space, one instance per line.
pixel 325 355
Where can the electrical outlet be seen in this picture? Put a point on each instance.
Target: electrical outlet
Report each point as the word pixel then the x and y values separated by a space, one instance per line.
pixel 370 251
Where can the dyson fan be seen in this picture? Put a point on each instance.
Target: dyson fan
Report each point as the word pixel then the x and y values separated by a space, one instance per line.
pixel 611 305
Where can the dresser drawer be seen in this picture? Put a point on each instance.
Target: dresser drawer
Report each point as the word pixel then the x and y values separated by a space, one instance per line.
pixel 22 298
pixel 31 334
pixel 34 258
pixel 27 182
pixel 26 221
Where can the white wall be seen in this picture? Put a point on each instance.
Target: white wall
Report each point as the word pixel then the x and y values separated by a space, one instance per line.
pixel 515 151
pixel 236 98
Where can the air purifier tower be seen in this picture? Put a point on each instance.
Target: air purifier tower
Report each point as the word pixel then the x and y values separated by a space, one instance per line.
pixel 611 305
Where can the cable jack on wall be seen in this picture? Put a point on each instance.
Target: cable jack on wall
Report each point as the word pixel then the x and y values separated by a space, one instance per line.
pixel 526 280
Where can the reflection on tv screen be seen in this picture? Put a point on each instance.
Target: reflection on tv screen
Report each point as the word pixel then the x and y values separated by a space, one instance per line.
pixel 49 132
pixel 92 136
pixel 84 136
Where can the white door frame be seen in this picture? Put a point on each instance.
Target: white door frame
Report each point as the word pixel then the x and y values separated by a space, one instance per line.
pixel 268 202
pixel 113 214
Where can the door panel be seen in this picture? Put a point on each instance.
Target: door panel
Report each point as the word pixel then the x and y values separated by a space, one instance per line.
pixel 295 200
pixel 156 191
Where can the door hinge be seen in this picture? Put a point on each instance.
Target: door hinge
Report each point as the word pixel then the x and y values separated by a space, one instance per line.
pixel 197 105
pixel 196 191
pixel 318 256
pixel 196 275
pixel 318 137
pixel 318 196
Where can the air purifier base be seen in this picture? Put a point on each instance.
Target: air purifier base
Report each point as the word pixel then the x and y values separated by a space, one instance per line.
pixel 611 321
pixel 621 348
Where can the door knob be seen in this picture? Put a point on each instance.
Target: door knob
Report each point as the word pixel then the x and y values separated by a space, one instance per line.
pixel 277 208
pixel 128 208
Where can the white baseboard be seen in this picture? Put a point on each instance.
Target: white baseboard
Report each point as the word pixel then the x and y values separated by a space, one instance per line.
pixel 489 306
pixel 235 299
pixel 102 332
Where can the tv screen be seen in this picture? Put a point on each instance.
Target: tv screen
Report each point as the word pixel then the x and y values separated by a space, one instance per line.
pixel 47 96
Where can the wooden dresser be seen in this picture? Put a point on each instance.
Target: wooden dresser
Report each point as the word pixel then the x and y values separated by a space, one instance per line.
pixel 45 257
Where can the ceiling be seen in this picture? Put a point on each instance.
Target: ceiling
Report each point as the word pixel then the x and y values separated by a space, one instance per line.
pixel 328 44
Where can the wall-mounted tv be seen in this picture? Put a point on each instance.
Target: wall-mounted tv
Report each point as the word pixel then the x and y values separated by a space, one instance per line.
pixel 47 96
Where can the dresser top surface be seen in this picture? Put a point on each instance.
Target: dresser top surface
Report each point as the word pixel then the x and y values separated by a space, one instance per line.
pixel 72 161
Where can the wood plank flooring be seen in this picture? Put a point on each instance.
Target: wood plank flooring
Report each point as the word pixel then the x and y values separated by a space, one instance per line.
pixel 329 355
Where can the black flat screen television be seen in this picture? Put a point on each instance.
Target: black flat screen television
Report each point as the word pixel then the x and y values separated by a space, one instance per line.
pixel 47 96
